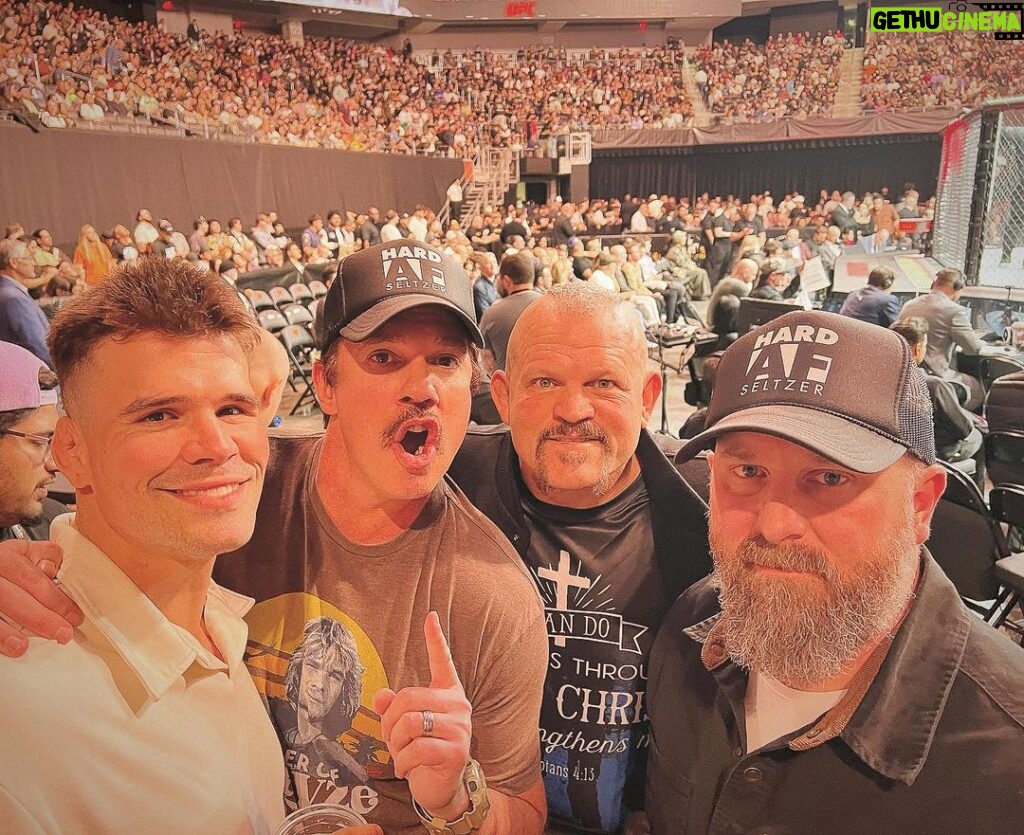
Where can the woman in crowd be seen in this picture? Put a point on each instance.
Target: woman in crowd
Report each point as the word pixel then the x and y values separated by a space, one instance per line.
pixel 93 255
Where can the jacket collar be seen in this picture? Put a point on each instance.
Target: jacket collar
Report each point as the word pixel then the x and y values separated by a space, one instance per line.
pixel 893 706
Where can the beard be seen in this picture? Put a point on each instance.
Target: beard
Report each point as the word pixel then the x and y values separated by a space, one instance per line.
pixel 810 629
pixel 584 431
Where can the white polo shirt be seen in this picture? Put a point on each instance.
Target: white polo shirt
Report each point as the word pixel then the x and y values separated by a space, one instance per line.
pixel 134 726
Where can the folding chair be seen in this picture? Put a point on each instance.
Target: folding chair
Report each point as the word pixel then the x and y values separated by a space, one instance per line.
pixel 272 320
pixel 992 368
pixel 1007 503
pixel 967 542
pixel 299 344
pixel 301 293
pixel 296 314
pixel 318 289
pixel 281 296
pixel 260 300
pixel 1004 457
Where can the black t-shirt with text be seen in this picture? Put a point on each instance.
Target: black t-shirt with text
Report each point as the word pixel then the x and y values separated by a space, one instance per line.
pixel 604 599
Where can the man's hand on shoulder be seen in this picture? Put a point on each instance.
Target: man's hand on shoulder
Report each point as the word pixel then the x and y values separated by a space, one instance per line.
pixel 29 599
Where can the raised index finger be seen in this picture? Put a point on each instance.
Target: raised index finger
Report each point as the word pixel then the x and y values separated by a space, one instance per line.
pixel 442 668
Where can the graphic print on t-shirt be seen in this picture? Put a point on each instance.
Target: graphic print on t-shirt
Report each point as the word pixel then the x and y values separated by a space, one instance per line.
pixel 604 598
pixel 317 672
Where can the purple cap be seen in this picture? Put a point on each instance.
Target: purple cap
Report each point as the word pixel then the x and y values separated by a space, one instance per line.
pixel 846 389
pixel 376 284
pixel 19 382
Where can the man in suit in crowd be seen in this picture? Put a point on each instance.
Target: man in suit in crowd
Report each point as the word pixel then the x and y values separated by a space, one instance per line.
pixel 948 324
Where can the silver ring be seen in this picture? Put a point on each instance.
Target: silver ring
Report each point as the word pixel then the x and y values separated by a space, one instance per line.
pixel 428 723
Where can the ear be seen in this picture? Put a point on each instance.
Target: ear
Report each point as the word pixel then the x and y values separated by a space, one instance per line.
pixel 929 485
pixel 71 455
pixel 500 395
pixel 325 392
pixel 268 372
pixel 652 388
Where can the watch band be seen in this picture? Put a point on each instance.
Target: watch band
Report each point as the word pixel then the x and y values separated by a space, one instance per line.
pixel 472 818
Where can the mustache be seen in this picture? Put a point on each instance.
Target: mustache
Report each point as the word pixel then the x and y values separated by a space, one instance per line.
pixel 585 430
pixel 755 550
pixel 413 413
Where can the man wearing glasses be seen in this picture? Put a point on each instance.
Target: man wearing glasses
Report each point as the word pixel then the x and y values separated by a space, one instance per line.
pixel 28 414
pixel 22 321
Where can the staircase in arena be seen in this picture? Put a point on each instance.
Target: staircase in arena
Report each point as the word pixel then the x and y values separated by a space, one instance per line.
pixel 847 103
pixel 495 170
pixel 701 115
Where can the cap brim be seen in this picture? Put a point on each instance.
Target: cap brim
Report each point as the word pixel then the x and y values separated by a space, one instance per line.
pixel 836 438
pixel 365 324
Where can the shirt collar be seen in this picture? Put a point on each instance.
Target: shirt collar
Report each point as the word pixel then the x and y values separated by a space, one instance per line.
pixel 16 283
pixel 155 650
pixel 893 705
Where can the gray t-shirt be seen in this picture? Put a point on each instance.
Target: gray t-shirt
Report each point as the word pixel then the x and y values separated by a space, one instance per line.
pixel 498 320
pixel 603 599
pixel 335 621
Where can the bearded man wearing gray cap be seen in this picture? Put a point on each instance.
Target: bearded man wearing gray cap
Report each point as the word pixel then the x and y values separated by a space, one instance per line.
pixel 827 677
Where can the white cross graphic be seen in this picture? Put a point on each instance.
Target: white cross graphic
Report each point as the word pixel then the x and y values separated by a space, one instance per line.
pixel 563 579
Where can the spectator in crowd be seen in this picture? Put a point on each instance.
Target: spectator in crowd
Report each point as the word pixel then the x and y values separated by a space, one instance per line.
pixel 313 249
pixel 90 109
pixel 485 291
pixel 724 305
pixel 163 247
pixel 369 232
pixel 93 255
pixel 516 278
pixel 197 240
pixel 842 215
pixel 773 280
pixel 334 238
pixel 602 275
pixel 595 511
pixel 949 325
pixel 264 235
pixel 123 248
pixel 390 231
pixel 694 278
pixel 21 320
pixel 454 195
pixel 874 302
pixel 145 232
pixel 793 75
pixel 28 415
pixel 159 639
pixel 828 649
pixel 942 69
pixel 958 434
pixel 243 247
pixel 46 254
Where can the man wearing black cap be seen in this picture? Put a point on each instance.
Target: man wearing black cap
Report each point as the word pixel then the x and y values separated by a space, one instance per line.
pixel 827 677
pixel 362 528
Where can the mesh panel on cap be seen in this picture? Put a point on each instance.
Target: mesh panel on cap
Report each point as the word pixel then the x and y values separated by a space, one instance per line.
pixel 915 417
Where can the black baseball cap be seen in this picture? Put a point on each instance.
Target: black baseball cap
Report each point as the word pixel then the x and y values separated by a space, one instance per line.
pixel 846 389
pixel 376 284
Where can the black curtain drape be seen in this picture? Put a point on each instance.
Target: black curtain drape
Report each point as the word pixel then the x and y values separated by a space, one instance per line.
pixel 863 164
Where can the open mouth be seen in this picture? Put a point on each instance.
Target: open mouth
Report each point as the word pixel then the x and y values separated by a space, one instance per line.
pixel 416 442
